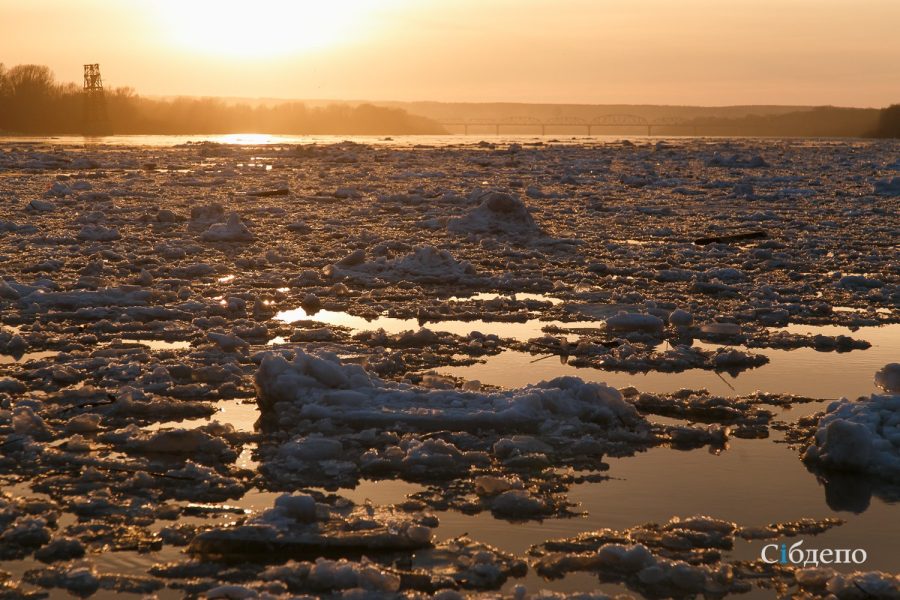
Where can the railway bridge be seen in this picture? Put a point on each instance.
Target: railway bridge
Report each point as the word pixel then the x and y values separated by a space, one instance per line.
pixel 589 125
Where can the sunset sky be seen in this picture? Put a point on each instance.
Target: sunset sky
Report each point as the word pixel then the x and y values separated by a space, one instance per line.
pixel 701 52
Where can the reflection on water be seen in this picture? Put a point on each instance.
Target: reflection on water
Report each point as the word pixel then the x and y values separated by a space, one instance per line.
pixel 249 139
pixel 263 139
pixel 850 309
pixel 379 492
pixel 753 482
pixel 803 371
pixel 487 296
pixel 159 344
pixel 239 414
pixel 6 359
pixel 519 331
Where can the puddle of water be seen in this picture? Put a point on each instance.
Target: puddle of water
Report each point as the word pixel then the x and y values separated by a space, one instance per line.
pixel 850 309
pixel 241 415
pixel 519 331
pixel 6 359
pixel 379 492
pixel 245 459
pixel 882 334
pixel 485 296
pixel 802 371
pixel 384 492
pixel 159 344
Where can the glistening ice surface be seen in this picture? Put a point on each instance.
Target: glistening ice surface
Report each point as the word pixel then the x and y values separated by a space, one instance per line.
pixel 450 368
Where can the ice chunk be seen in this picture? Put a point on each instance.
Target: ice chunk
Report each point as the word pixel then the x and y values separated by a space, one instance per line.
pixel 634 322
pixel 230 592
pixel 337 575
pixel 61 548
pixel 681 318
pixel 311 448
pixel 888 378
pixel 518 504
pixel 862 436
pixel 299 507
pixel 852 282
pixel 717 328
pixel 297 524
pixel 322 387
pixel 119 296
pixel 99 233
pixel 233 230
pixel 227 342
pixel 426 264
pixel 212 213
pixel 726 274
pixel 888 187
pixel 737 162
pixel 40 206
pixel 489 485
pixel 496 213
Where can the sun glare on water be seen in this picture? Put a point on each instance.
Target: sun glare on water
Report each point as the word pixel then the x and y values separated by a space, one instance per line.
pixel 263 28
pixel 247 138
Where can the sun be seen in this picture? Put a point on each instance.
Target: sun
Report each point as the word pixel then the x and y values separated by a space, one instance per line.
pixel 263 28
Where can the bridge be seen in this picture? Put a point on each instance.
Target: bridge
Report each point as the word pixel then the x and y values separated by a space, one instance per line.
pixel 589 125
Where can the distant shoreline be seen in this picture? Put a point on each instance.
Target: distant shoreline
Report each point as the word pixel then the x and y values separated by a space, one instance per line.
pixel 168 140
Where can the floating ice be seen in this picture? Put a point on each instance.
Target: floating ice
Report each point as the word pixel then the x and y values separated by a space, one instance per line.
pixel 888 378
pixel 426 264
pixel 233 230
pixel 496 213
pixel 852 282
pixel 99 233
pixel 321 387
pixel 888 187
pixel 860 437
pixel 40 206
pixel 634 322
pixel 681 318
pixel 737 162
pixel 118 296
pixel 298 524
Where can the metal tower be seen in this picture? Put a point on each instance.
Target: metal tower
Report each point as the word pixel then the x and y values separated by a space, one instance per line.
pixel 96 121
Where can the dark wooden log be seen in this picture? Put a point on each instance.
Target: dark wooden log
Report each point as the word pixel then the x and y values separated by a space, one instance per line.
pixel 734 237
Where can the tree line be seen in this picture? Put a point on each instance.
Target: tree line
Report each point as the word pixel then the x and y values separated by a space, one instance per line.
pixel 32 102
pixel 823 121
pixel 888 122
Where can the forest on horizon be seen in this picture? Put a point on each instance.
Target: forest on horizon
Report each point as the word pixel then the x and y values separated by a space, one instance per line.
pixel 33 102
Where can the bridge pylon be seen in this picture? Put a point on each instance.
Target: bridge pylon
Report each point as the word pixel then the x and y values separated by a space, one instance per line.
pixel 95 118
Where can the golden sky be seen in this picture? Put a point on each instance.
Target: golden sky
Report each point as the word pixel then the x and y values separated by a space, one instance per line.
pixel 699 52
